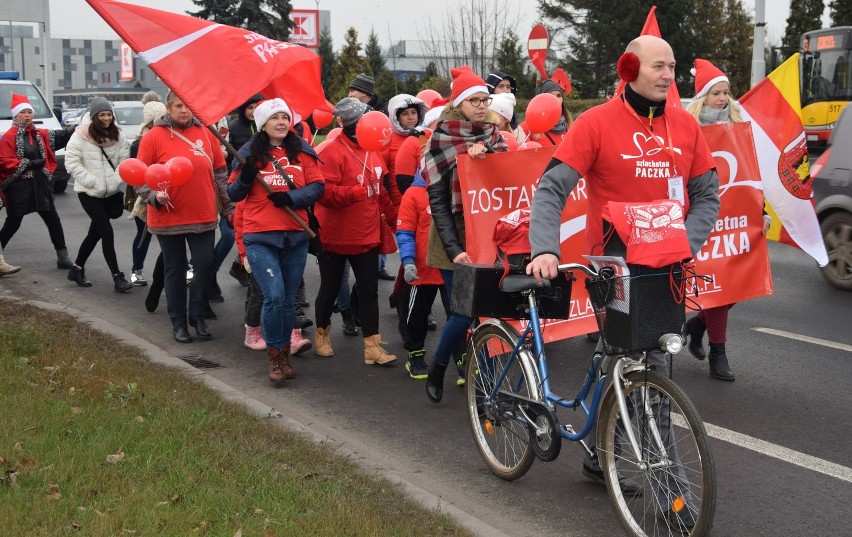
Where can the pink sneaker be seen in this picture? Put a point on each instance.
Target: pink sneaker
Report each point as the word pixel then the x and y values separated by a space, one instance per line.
pixel 299 344
pixel 254 339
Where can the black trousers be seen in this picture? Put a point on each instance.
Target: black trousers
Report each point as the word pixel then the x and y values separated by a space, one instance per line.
pixel 413 311
pixel 254 303
pixel 366 277
pixel 51 220
pixel 100 229
pixel 173 248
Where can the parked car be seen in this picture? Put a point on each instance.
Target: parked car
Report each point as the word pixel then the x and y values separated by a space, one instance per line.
pixel 832 180
pixel 129 116
pixel 43 117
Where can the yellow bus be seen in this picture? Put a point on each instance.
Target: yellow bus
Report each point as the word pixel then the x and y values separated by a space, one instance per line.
pixel 826 78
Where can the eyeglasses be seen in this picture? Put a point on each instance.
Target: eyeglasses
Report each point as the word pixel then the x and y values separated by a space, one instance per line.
pixel 476 101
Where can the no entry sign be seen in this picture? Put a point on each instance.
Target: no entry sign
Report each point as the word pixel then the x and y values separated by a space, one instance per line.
pixel 537 48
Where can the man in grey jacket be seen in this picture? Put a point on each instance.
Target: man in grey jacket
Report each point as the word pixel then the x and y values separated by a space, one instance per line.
pixel 633 148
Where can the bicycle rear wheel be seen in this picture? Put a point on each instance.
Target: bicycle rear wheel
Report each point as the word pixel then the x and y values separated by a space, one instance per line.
pixel 499 429
pixel 676 472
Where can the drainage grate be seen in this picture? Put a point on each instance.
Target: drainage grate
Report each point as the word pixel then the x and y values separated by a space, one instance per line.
pixel 200 363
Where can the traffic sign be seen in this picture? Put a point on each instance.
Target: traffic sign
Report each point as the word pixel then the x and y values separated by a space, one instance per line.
pixel 537 46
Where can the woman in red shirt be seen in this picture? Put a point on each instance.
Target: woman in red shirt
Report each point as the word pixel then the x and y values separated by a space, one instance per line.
pixel 185 215
pixel 276 244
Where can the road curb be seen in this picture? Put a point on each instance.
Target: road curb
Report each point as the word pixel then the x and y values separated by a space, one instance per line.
pixel 159 356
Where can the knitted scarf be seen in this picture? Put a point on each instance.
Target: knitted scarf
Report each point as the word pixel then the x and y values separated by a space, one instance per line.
pixel 712 116
pixel 452 138
pixel 22 128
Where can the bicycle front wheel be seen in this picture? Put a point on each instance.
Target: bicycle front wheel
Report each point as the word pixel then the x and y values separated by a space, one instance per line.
pixel 499 429
pixel 675 472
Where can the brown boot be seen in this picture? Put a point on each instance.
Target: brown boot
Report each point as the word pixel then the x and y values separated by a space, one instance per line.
pixel 374 354
pixel 323 346
pixel 284 362
pixel 276 372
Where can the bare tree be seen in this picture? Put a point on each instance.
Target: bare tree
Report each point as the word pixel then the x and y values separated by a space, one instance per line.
pixel 469 34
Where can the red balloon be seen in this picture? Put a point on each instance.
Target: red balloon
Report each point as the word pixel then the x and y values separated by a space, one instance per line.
pixel 510 140
pixel 180 169
pixel 322 118
pixel 158 177
pixel 429 96
pixel 322 145
pixel 531 145
pixel 132 171
pixel 543 112
pixel 373 131
pixel 333 133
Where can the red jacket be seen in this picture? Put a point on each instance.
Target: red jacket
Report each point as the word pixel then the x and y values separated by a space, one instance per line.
pixel 415 215
pixel 195 201
pixel 260 214
pixel 349 226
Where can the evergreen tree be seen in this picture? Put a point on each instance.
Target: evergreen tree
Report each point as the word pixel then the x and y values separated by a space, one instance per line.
pixel 737 28
pixel 270 18
pixel 326 53
pixel 431 71
pixel 387 85
pixel 373 51
pixel 805 15
pixel 841 12
pixel 349 65
pixel 510 59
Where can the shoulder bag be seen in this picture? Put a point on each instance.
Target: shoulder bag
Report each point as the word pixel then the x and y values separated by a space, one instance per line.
pixel 114 204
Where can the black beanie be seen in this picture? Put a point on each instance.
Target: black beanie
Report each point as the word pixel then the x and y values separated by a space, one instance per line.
pixel 495 77
pixel 364 83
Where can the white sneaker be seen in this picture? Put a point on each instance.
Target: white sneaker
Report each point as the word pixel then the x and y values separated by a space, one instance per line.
pixel 137 279
pixel 189 275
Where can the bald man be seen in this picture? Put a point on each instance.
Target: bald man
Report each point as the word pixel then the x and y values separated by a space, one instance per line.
pixel 633 148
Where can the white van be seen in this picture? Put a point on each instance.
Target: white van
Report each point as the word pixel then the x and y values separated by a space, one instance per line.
pixel 42 116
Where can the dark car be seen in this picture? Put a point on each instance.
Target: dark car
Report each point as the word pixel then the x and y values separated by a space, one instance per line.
pixel 832 175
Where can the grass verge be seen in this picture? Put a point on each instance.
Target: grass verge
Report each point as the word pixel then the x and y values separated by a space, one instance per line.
pixel 95 440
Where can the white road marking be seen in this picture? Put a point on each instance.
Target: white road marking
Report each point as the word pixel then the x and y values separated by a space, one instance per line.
pixel 806 339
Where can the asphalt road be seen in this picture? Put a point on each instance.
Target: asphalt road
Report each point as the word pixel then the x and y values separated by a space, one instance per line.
pixel 782 431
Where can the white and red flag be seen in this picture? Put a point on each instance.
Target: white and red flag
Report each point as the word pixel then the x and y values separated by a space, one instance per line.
pixel 774 108
pixel 212 67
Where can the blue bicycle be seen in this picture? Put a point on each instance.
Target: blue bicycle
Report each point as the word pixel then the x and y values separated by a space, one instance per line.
pixel 648 431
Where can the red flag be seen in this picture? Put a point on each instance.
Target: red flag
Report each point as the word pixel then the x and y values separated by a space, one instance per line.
pixel 652 28
pixel 214 68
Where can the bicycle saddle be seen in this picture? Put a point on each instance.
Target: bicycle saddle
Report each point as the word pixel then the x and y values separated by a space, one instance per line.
pixel 521 282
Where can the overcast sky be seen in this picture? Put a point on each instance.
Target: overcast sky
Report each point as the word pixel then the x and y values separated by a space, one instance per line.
pixel 392 19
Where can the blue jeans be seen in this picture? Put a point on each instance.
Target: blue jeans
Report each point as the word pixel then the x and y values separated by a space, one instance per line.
pixel 455 330
pixel 278 272
pixel 224 245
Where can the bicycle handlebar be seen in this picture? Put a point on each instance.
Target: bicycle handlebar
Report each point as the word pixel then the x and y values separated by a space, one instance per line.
pixel 576 266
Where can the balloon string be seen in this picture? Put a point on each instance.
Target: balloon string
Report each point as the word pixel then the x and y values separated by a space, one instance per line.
pixel 164 186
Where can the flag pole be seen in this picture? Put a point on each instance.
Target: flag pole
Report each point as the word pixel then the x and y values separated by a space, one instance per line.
pixel 266 187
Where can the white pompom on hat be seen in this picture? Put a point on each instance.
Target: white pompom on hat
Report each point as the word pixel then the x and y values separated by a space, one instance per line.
pixel 267 109
pixel 706 76
pixel 19 104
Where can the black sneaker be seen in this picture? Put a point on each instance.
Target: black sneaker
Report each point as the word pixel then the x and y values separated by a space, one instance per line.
pixel 628 487
pixel 387 276
pixel 302 322
pixel 121 284
pixel 416 365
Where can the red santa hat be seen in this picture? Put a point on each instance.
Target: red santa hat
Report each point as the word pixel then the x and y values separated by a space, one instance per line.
pixel 706 76
pixel 19 104
pixel 465 84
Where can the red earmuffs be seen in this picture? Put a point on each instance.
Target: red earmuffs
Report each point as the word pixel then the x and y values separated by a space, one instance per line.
pixel 628 67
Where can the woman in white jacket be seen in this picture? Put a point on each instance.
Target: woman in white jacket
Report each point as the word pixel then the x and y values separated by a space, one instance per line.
pixel 92 158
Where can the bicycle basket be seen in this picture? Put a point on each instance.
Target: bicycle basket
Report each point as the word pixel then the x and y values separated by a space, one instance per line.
pixel 634 311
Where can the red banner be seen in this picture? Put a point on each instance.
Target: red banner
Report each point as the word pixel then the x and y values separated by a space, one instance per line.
pixel 500 183
pixel 735 254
